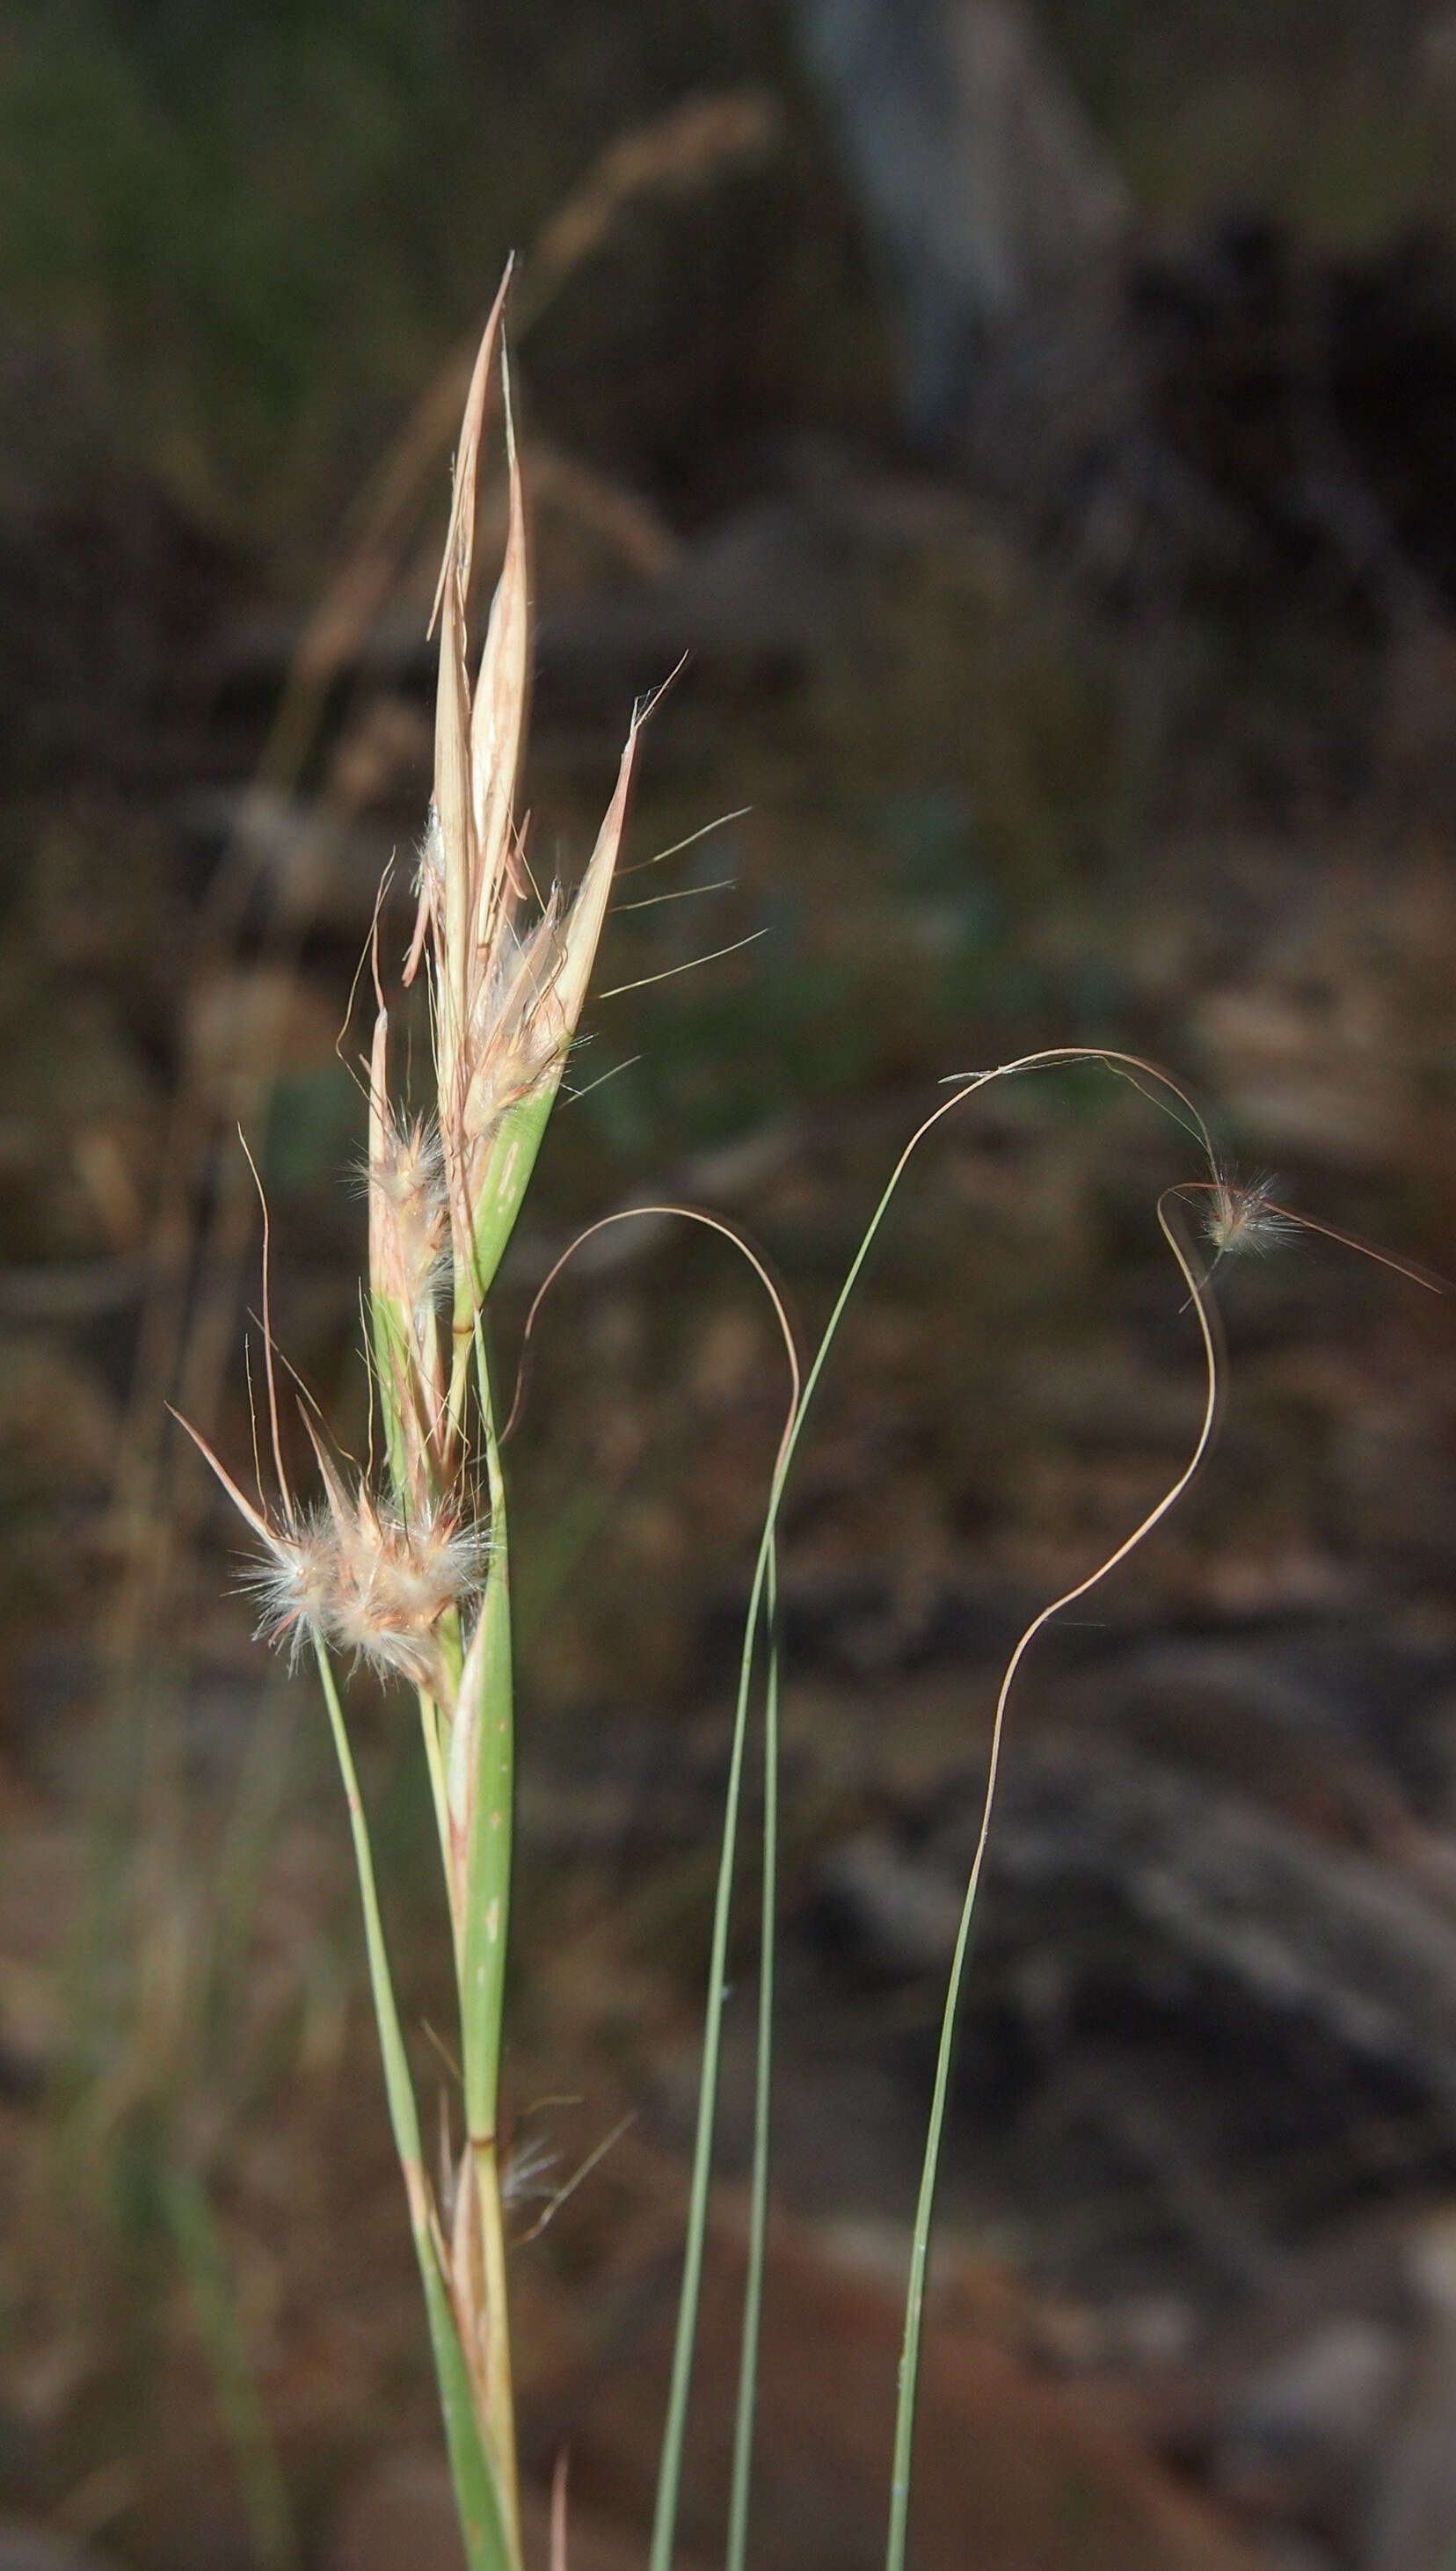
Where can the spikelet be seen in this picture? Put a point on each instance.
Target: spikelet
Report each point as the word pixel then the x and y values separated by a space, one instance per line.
pixel 358 1574
pixel 407 1196
pixel 509 972
pixel 395 1581
pixel 395 1575
pixel 409 1232
pixel 294 1579
pixel 379 1574
pixel 1244 1223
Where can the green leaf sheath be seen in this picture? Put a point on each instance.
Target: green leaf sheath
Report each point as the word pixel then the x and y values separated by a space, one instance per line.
pixel 394 1365
pixel 486 1931
pixel 489 2539
pixel 497 1205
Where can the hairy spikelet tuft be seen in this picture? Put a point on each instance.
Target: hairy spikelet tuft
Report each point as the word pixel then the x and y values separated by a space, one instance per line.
pixel 1246 1222
pixel 396 1580
pixel 360 1577
pixel 407 1170
pixel 293 1581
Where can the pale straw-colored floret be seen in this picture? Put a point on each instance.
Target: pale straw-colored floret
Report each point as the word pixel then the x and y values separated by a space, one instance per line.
pixel 409 1256
pixel 395 1576
pixel 358 1574
pixel 1244 1223
pixel 379 1574
pixel 508 972
pixel 294 1582
pixel 520 1033
pixel 408 1192
pixel 395 1582
pixel 430 877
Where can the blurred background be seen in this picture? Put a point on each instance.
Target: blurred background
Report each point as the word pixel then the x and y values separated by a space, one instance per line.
pixel 1036 426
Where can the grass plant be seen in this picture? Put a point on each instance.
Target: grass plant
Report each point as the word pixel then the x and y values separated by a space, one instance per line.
pixel 406 1565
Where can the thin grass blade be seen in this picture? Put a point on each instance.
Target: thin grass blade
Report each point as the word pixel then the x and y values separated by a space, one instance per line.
pixel 740 2487
pixel 909 2368
pixel 680 2383
pixel 680 2387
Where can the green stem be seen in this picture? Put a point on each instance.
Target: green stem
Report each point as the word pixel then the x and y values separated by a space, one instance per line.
pixel 488 1860
pixel 496 1197
pixel 740 2492
pixel 486 1940
pixel 429 1719
pixel 680 2383
pixel 909 2372
pixel 500 2392
pixel 491 2543
pixel 910 2375
pixel 670 2469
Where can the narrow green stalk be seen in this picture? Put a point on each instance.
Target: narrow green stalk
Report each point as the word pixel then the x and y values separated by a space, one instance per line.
pixel 488 1866
pixel 393 1356
pixel 500 2387
pixel 429 1722
pixel 488 1857
pixel 509 1164
pixel 909 2372
pixel 744 2422
pixel 486 1940
pixel 680 2383
pixel 479 2497
pixel 765 1580
pixel 669 2468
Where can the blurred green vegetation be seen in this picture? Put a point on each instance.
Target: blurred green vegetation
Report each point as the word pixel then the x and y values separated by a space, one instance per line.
pixel 225 208
pixel 252 230
pixel 261 226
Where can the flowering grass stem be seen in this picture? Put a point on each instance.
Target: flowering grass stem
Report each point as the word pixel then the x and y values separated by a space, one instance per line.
pixel 407 1566
pixel 492 2539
